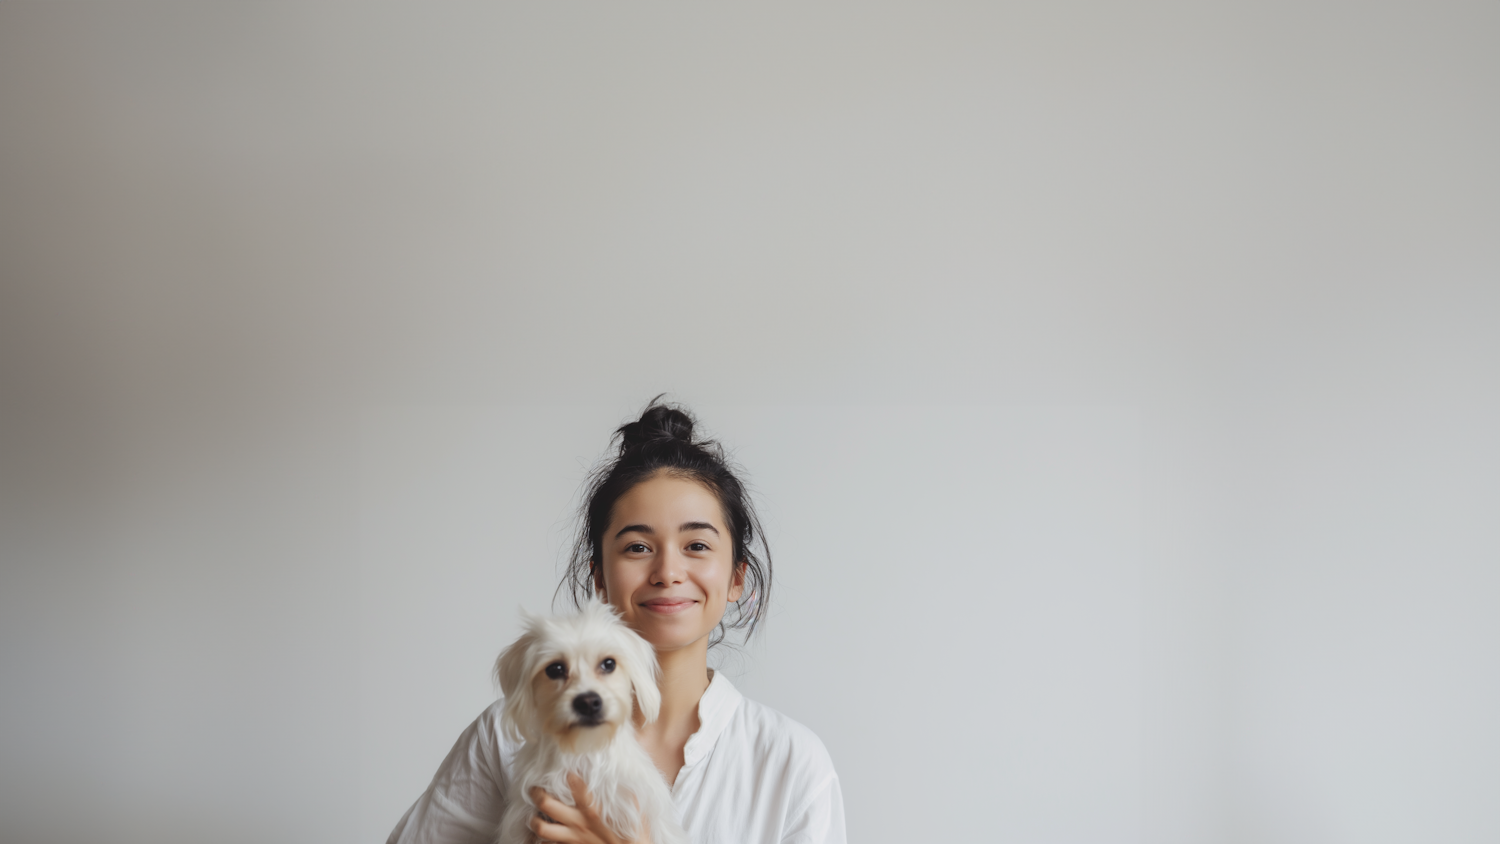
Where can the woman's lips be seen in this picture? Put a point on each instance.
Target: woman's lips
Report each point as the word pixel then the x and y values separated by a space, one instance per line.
pixel 667 606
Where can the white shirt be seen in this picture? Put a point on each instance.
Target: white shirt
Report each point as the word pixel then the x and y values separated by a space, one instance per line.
pixel 750 776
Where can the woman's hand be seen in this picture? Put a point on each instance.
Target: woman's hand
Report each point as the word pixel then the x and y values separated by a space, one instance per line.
pixel 576 824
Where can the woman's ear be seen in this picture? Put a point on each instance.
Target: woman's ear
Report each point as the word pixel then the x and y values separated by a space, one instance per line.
pixel 737 581
pixel 597 572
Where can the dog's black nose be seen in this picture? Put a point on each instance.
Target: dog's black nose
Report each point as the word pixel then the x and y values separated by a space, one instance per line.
pixel 589 705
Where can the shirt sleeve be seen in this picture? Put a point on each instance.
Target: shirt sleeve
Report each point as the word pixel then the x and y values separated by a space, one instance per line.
pixel 821 820
pixel 464 803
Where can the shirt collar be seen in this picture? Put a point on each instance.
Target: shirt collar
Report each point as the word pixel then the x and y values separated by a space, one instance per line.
pixel 715 708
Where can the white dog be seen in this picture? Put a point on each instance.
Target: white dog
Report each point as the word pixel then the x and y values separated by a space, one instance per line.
pixel 571 686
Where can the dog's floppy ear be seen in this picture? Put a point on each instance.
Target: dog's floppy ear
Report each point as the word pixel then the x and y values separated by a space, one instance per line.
pixel 640 666
pixel 512 670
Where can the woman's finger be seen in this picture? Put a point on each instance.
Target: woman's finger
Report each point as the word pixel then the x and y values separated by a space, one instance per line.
pixel 581 796
pixel 587 810
pixel 546 831
pixel 590 813
pixel 556 809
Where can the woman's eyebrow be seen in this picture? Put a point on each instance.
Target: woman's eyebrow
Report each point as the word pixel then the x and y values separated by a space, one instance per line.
pixel 687 526
pixel 646 529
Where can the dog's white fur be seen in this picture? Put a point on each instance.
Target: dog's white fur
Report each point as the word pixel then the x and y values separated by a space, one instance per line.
pixel 539 710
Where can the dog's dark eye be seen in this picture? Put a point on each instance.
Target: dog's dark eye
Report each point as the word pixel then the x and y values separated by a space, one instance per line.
pixel 607 665
pixel 557 671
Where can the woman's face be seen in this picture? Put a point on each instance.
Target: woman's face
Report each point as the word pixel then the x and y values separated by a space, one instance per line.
pixel 669 562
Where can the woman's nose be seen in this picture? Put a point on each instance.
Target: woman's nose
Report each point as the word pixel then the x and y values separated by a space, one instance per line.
pixel 668 568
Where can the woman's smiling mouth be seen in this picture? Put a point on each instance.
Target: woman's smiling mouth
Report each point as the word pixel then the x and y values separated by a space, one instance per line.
pixel 667 606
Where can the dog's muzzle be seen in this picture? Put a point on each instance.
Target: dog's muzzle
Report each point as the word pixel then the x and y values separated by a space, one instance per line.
pixel 590 709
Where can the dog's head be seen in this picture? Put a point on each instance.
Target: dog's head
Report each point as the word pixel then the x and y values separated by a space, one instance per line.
pixel 574 679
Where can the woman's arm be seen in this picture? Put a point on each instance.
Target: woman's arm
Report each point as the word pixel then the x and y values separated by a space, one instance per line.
pixel 464 803
pixel 820 820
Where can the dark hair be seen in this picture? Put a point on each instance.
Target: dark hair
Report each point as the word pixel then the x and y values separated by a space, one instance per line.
pixel 662 441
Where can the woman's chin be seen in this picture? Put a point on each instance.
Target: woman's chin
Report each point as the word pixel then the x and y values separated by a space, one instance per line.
pixel 669 637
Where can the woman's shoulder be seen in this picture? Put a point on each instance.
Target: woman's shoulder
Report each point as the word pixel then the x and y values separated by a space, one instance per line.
pixel 776 727
pixel 776 739
pixel 491 726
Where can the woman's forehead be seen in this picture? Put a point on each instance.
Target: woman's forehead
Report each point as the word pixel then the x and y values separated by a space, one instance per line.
pixel 665 502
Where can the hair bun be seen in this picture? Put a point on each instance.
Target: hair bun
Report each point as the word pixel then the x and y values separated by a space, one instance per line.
pixel 658 424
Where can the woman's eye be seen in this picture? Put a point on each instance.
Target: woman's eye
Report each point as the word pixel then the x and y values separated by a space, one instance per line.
pixel 607 665
pixel 697 546
pixel 635 548
pixel 557 671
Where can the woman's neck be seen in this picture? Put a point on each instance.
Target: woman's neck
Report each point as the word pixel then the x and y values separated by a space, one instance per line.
pixel 684 678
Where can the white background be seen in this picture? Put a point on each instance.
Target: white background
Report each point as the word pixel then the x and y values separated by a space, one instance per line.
pixel 1120 383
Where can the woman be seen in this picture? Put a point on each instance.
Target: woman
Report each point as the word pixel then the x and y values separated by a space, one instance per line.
pixel 667 540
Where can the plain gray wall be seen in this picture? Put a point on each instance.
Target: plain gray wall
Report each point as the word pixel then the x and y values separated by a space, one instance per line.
pixel 1120 383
